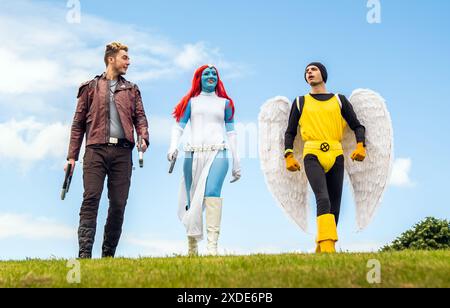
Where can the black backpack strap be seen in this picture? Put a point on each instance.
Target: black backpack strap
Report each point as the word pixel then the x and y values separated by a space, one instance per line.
pixel 300 101
pixel 339 99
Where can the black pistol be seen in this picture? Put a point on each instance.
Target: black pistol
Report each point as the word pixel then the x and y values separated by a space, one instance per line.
pixel 67 181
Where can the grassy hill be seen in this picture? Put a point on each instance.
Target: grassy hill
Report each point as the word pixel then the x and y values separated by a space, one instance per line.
pixel 400 269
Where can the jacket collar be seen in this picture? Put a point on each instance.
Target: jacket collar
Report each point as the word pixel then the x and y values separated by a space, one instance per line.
pixel 122 83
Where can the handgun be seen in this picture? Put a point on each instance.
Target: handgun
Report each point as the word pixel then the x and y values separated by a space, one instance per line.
pixel 67 181
pixel 141 154
pixel 173 162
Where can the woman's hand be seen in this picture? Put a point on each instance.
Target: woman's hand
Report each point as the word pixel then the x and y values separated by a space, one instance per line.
pixel 236 173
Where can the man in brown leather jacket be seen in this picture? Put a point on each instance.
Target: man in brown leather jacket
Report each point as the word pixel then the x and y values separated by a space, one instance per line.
pixel 109 109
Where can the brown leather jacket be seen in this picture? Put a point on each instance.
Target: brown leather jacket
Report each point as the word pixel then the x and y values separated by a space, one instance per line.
pixel 92 113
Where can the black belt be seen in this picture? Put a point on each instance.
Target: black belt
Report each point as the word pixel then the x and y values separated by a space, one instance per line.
pixel 114 142
pixel 120 143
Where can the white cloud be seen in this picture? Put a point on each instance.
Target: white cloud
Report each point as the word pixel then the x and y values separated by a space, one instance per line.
pixel 26 75
pixel 155 247
pixel 358 247
pixel 400 175
pixel 30 228
pixel 44 59
pixel 152 246
pixel 46 53
pixel 192 55
pixel 268 249
pixel 160 129
pixel 29 141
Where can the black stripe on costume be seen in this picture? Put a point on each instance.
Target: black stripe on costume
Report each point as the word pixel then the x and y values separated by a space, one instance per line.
pixel 292 129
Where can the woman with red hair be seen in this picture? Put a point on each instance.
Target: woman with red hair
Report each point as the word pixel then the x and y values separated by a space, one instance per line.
pixel 211 113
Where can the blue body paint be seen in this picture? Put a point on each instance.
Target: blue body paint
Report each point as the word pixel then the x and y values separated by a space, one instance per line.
pixel 187 172
pixel 186 116
pixel 216 177
pixel 220 166
pixel 209 80
pixel 229 122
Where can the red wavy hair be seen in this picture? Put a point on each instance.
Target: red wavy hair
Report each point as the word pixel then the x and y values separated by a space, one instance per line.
pixel 197 89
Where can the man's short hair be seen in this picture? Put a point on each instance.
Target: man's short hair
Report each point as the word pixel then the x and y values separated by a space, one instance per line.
pixel 113 49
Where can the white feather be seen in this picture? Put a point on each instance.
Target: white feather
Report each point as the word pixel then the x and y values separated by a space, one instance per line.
pixel 369 179
pixel 289 189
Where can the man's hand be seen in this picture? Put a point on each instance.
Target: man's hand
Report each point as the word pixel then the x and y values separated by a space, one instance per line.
pixel 360 153
pixel 71 162
pixel 143 146
pixel 291 163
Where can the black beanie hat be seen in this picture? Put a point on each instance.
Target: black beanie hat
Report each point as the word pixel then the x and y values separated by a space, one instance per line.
pixel 322 69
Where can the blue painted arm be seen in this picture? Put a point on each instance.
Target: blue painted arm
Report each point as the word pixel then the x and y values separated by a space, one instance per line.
pixel 186 117
pixel 229 124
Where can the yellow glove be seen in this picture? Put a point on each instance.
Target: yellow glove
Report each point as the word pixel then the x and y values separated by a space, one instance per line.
pixel 360 152
pixel 291 163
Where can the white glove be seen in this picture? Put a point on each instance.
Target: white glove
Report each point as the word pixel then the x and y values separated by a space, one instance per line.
pixel 177 133
pixel 232 142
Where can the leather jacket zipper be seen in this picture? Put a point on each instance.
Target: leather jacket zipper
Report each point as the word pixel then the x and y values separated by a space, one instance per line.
pixel 118 112
pixel 108 116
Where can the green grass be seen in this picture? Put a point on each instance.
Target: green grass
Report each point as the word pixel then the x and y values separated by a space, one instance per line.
pixel 399 269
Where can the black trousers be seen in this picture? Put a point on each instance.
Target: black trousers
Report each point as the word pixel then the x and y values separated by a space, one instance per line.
pixel 100 162
pixel 327 187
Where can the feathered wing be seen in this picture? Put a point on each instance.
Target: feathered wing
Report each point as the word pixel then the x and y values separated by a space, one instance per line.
pixel 369 179
pixel 289 189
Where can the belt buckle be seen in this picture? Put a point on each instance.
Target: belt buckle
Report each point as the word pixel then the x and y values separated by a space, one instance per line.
pixel 114 141
pixel 325 147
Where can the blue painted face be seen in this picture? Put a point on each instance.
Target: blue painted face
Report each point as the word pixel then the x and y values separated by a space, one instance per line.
pixel 209 80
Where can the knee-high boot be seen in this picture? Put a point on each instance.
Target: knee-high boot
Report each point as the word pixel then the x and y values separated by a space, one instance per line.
pixel 192 246
pixel 326 234
pixel 213 220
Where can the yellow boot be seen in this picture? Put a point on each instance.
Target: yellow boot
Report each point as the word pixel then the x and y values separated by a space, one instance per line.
pixel 318 248
pixel 326 234
pixel 327 246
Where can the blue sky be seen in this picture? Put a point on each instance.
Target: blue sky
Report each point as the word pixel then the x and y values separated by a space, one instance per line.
pixel 261 49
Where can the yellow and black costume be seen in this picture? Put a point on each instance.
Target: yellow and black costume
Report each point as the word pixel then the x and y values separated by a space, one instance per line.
pixel 322 119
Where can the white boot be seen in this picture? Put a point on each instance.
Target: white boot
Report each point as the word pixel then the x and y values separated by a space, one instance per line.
pixel 193 246
pixel 213 219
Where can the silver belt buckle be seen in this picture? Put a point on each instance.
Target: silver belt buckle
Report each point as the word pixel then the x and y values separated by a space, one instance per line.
pixel 113 140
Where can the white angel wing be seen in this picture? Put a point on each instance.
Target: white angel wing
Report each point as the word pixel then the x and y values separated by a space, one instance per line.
pixel 369 179
pixel 289 189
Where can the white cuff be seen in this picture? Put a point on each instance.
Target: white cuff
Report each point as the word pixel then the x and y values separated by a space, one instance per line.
pixel 233 144
pixel 177 133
